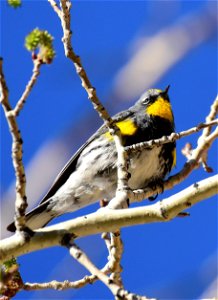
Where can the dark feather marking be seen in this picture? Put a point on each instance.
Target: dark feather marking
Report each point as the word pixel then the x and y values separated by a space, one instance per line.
pixel 39 209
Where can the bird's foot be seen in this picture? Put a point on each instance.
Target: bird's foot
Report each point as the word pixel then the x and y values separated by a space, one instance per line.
pixel 103 203
pixel 154 185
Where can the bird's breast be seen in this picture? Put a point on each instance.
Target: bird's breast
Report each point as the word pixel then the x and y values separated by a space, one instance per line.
pixel 144 166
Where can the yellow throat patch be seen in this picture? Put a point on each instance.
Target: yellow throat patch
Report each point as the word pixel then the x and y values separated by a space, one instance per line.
pixel 160 108
pixel 127 127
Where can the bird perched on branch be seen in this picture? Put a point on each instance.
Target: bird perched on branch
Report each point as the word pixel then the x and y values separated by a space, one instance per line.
pixel 91 173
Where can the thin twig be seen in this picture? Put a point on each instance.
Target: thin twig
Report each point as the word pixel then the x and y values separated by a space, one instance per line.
pixel 17 149
pixel 122 171
pixel 58 285
pixel 116 251
pixel 118 292
pixel 64 15
pixel 36 67
pixel 82 258
pixel 106 237
pixel 212 137
pixel 55 7
pixel 62 285
pixel 212 114
pixel 171 138
pixel 21 202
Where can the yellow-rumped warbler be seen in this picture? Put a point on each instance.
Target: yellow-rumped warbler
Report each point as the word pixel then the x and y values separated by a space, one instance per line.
pixel 91 173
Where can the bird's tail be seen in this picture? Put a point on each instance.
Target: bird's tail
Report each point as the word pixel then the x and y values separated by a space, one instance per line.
pixel 36 218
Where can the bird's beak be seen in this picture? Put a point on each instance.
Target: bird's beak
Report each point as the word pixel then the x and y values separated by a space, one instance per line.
pixel 165 92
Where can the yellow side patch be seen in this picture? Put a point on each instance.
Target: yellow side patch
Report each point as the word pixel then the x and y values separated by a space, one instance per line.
pixel 174 157
pixel 127 127
pixel 160 108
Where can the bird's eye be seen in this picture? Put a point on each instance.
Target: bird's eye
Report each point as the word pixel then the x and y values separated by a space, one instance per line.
pixel 145 101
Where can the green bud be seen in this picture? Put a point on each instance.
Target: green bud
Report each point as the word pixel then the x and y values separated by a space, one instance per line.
pixel 41 41
pixel 46 38
pixel 14 3
pixel 33 40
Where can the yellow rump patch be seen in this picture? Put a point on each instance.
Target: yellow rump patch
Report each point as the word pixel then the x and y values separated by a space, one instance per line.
pixel 127 127
pixel 160 108
pixel 174 157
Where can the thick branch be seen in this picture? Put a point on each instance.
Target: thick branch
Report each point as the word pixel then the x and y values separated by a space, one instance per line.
pixel 111 220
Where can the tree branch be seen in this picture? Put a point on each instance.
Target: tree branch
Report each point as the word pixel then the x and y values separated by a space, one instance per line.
pixel 116 290
pixel 206 133
pixel 105 220
pixel 174 136
pixel 211 116
pixel 111 220
pixel 64 15
pixel 58 285
pixel 115 248
pixel 36 67
pixel 17 150
pixel 115 252
pixel 55 7
pixel 115 255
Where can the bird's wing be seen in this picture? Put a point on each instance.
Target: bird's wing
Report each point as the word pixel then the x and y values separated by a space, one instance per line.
pixel 67 170
pixel 71 164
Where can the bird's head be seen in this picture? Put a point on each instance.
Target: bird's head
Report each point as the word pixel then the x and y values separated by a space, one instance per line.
pixel 155 102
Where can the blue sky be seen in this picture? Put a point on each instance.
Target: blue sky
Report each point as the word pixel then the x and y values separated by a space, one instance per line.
pixel 160 260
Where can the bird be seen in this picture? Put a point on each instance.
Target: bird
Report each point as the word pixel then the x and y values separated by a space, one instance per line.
pixel 91 174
